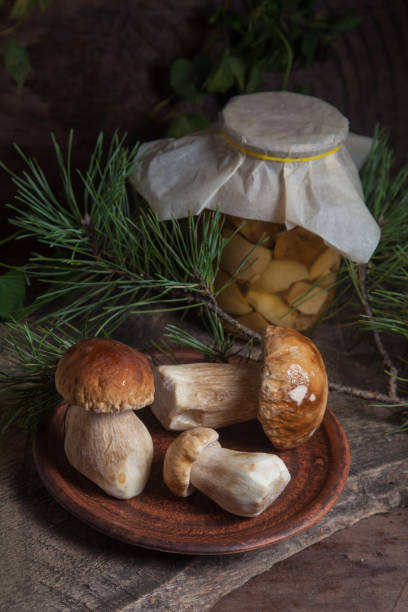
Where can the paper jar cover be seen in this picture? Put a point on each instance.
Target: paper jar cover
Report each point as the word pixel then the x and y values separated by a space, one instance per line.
pixel 228 167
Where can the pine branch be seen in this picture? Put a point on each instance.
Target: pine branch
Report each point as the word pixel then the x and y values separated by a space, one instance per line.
pixel 392 381
pixel 369 395
pixel 107 258
pixel 27 379
pixel 382 285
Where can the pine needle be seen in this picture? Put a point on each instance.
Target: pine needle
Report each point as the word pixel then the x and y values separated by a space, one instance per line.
pixel 386 276
pixel 108 255
pixel 27 383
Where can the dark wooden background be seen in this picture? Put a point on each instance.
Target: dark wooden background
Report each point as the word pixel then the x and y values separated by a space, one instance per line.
pixel 100 65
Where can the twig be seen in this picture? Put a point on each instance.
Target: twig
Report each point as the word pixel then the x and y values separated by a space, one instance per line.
pixel 248 333
pixel 371 395
pixel 391 398
pixel 392 383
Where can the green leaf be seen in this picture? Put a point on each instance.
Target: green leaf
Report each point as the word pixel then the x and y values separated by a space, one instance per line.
pixel 22 8
pixel 231 68
pixel 221 78
pixel 12 292
pixel 187 124
pixel 255 78
pixel 238 69
pixel 16 62
pixel 182 80
pixel 181 76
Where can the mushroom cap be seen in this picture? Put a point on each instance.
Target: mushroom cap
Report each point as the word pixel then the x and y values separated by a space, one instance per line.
pixel 180 456
pixel 294 388
pixel 104 375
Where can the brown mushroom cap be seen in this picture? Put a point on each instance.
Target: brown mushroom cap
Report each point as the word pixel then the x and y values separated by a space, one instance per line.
pixel 104 375
pixel 294 388
pixel 180 456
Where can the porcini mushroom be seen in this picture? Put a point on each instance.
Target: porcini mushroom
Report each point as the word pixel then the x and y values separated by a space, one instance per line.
pixel 242 483
pixel 287 392
pixel 294 388
pixel 103 381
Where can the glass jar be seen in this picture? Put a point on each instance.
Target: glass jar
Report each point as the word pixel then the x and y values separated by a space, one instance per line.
pixel 288 280
pixel 279 164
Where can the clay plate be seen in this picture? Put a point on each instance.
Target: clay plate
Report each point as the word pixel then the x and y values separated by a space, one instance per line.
pixel 158 520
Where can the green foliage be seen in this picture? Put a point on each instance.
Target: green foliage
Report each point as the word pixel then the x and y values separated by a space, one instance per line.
pixel 108 258
pixel 249 39
pixel 187 124
pixel 15 57
pixel 16 62
pixel 221 348
pixel 184 80
pixel 386 276
pixel 229 72
pixel 27 382
pixel 12 293
pixel 24 8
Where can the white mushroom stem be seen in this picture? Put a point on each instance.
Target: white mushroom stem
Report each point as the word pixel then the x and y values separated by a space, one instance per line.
pixel 115 451
pixel 206 394
pixel 242 483
pixel 287 392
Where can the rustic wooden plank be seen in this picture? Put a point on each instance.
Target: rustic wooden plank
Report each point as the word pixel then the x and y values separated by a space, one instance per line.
pixel 359 568
pixel 205 581
pixel 51 561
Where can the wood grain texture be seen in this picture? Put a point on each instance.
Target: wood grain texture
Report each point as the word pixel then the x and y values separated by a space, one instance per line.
pixel 364 569
pixel 159 520
pixel 98 68
pixel 52 561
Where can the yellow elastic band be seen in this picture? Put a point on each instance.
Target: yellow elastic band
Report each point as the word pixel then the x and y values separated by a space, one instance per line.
pixel 278 159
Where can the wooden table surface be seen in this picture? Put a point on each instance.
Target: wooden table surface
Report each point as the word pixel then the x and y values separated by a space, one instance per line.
pixel 51 561
pixel 99 66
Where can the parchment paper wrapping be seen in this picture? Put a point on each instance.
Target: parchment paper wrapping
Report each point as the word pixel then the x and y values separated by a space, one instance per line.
pixel 204 171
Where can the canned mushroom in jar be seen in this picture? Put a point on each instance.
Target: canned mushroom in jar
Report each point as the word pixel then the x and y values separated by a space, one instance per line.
pixel 277 156
pixel 288 280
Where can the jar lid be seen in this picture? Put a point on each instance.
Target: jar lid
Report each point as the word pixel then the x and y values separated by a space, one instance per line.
pixel 283 123
pixel 277 157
